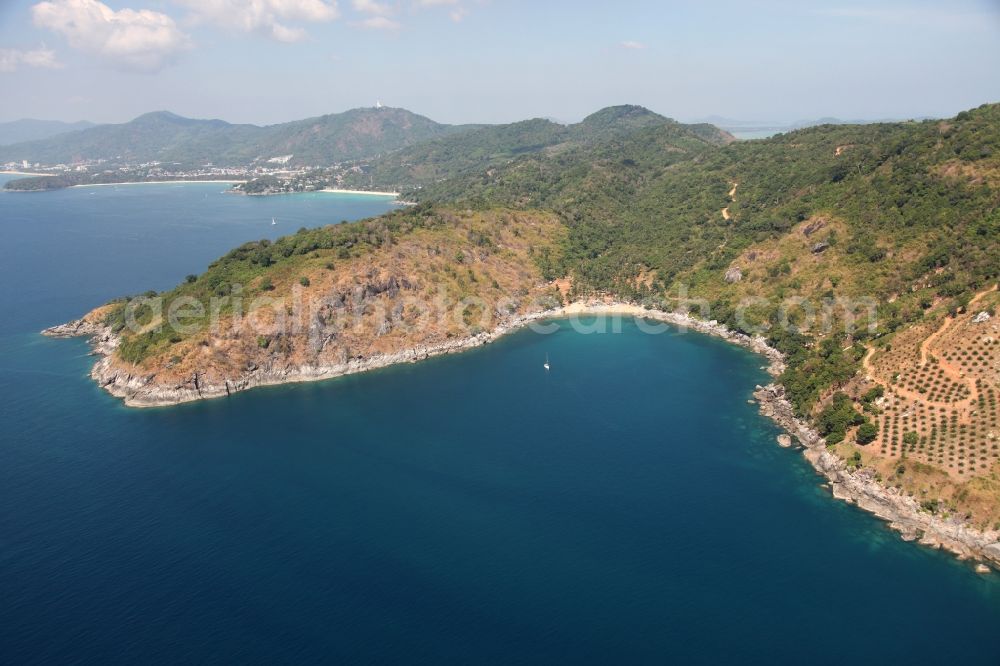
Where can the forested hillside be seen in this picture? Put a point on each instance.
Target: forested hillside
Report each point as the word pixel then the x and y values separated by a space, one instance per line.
pixel 892 182
pixel 496 146
pixel 903 213
pixel 803 238
pixel 868 254
pixel 167 137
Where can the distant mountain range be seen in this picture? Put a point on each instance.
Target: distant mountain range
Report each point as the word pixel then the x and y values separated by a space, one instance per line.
pixel 399 137
pixel 28 129
pixel 397 150
pixel 166 137
pixel 357 134
pixel 482 148
pixel 736 125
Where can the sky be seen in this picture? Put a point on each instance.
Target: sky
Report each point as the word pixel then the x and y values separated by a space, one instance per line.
pixel 459 61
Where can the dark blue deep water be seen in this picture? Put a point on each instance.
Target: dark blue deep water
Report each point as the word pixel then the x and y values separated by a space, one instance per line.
pixel 628 506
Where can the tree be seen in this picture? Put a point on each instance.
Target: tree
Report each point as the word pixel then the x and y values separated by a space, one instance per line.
pixel 873 394
pixel 867 433
pixel 837 417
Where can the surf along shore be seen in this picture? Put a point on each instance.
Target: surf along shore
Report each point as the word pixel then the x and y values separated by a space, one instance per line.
pixel 157 182
pixel 374 193
pixel 859 487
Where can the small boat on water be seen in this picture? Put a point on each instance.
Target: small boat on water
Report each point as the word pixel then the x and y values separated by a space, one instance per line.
pixel 546 364
pixel 273 222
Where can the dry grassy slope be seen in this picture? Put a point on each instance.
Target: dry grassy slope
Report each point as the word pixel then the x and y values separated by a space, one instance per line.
pixel 380 301
pixel 939 421
pixel 810 262
pixel 941 374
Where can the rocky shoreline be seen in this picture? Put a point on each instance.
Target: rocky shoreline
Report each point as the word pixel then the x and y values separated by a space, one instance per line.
pixel 903 513
pixel 861 488
pixel 142 390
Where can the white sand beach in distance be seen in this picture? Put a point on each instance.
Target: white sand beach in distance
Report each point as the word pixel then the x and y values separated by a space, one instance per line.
pixel 372 193
pixel 156 182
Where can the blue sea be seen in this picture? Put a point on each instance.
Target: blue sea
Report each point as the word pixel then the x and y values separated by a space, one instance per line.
pixel 629 506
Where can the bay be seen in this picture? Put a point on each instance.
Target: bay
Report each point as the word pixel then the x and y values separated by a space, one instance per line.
pixel 627 506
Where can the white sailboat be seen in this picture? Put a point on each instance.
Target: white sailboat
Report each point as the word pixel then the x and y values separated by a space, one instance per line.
pixel 273 222
pixel 546 364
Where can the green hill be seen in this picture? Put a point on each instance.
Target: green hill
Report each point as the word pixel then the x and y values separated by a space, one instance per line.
pixel 474 152
pixel 904 213
pixel 166 137
pixel 800 239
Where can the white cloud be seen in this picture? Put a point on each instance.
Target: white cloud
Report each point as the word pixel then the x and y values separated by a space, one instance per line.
pixel 379 23
pixel 379 13
pixel 633 45
pixel 133 39
pixel 11 59
pixel 371 7
pixel 264 17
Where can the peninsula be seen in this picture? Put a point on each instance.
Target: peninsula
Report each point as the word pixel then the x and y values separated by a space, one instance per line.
pixel 862 259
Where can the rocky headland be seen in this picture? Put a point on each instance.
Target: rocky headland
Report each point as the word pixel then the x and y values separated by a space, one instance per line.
pixel 860 487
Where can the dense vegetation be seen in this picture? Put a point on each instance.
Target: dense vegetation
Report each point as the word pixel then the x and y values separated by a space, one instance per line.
pixel 483 149
pixel 790 238
pixel 907 212
pixel 837 417
pixel 40 183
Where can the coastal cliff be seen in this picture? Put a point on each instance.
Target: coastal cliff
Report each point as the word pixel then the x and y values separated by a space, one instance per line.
pixel 325 303
pixel 861 487
pixel 141 386
pixel 865 255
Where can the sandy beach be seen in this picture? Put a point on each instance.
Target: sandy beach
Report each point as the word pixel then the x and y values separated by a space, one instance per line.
pixel 156 182
pixel 369 192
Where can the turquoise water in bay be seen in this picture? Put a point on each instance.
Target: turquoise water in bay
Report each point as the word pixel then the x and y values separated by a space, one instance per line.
pixel 627 507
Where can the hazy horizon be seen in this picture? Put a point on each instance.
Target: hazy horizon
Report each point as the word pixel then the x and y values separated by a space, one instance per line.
pixel 482 61
pixel 712 118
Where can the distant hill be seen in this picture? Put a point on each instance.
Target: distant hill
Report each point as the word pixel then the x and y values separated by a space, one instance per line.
pixel 476 150
pixel 741 126
pixel 354 134
pixel 166 137
pixel 618 118
pixel 28 129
